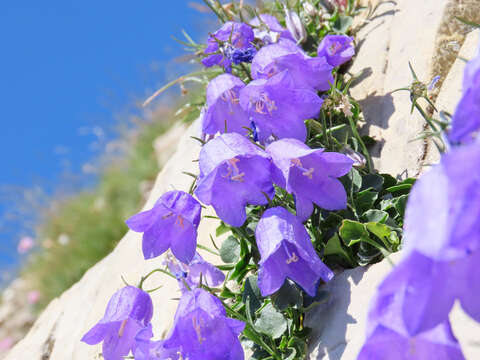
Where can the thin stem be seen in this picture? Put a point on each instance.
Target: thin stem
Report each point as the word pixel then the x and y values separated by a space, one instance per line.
pixel 140 285
pixel 362 144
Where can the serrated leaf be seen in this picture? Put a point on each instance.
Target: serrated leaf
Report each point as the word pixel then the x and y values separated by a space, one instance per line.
pixel 374 215
pixel 271 322
pixel 230 250
pixel 353 232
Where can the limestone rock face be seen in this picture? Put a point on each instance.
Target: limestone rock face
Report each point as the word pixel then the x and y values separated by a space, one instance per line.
pixel 395 35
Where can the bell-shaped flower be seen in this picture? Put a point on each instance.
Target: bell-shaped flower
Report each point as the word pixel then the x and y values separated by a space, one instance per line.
pixel 171 223
pixel 466 119
pixel 222 44
pixel 224 113
pixel 233 173
pixel 307 72
pixel 147 349
pixel 389 338
pixel 191 274
pixel 128 311
pixel 268 29
pixel 337 49
pixel 201 329
pixel 278 109
pixel 310 175
pixel 287 252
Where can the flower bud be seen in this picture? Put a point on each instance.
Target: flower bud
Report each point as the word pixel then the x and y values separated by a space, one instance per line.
pixel 295 26
pixel 309 9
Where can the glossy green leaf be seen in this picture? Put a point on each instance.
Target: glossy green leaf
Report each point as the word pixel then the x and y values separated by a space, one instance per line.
pixel 353 232
pixel 374 215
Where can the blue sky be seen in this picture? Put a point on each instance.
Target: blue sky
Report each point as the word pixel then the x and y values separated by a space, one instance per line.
pixel 67 70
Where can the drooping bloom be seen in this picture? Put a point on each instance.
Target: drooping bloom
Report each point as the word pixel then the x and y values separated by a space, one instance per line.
pixel 201 329
pixel 146 349
pixel 224 113
pixel 233 173
pixel 310 175
pixel 222 44
pixel 128 311
pixel 307 72
pixel 388 336
pixel 171 223
pixel 277 108
pixel 25 244
pixel 295 25
pixel 287 252
pixel 193 272
pixel 337 49
pixel 268 29
pixel 466 119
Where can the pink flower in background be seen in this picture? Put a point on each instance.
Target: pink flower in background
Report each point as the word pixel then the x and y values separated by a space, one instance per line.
pixel 6 343
pixel 341 4
pixel 33 296
pixel 25 244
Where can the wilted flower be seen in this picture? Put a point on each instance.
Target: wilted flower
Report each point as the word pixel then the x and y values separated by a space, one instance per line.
pixel 171 223
pixel 269 30
pixel 202 331
pixel 310 175
pixel 128 311
pixel 277 108
pixel 287 252
pixel 25 244
pixel 307 72
pixel 466 119
pixel 231 164
pixel 223 113
pixel 295 25
pixel 337 49
pixel 222 43
pixel 193 272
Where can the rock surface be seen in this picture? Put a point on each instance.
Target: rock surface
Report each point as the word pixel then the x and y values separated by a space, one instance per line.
pixel 395 35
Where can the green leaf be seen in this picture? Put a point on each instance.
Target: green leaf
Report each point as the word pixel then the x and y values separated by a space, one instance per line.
pixel 388 180
pixel 353 232
pixel 230 250
pixel 251 295
pixel 373 181
pixel 288 295
pixel 221 229
pixel 374 215
pixel 400 187
pixel 342 24
pixel 334 247
pixel 381 231
pixel 400 203
pixel 364 200
pixel 271 322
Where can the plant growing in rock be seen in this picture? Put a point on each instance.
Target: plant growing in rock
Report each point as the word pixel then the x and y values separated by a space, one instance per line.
pixel 291 181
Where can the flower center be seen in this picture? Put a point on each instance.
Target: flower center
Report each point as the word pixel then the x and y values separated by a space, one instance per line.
pixel 334 48
pixel 179 221
pixel 264 105
pixel 233 172
pixel 305 172
pixel 197 327
pixel 230 97
pixel 292 257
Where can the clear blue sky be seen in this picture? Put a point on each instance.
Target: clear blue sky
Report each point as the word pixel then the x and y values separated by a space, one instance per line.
pixel 68 66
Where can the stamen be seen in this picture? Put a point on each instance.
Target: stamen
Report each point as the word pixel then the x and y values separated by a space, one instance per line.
pixel 306 172
pixel 292 257
pixel 167 216
pixel 197 328
pixel 180 221
pixel 122 328
pixel 335 47
pixel 233 172
pixel 238 177
pixel 265 103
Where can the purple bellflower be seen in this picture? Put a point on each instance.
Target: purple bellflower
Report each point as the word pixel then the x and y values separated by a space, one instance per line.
pixel 233 173
pixel 222 44
pixel 337 49
pixel 307 72
pixel 224 113
pixel 310 175
pixel 287 252
pixel 268 29
pixel 171 223
pixel 128 311
pixel 466 119
pixel 191 273
pixel 277 108
pixel 387 337
pixel 146 349
pixel 201 329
